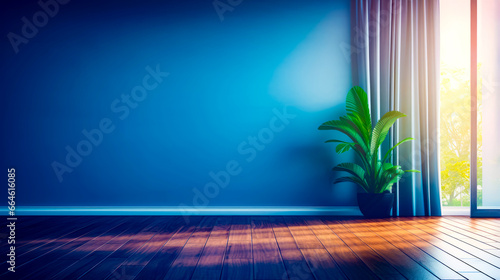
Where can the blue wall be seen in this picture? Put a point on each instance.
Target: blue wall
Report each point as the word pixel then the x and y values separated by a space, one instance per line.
pixel 273 70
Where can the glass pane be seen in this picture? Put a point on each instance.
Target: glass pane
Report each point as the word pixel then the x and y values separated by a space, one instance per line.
pixel 488 182
pixel 455 105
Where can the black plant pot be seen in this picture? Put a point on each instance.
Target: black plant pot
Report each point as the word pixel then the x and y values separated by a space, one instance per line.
pixel 375 205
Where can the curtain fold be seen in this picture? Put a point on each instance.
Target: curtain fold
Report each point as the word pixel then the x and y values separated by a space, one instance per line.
pixel 395 58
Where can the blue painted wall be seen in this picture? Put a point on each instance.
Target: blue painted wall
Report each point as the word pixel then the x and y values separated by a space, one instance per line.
pixel 90 116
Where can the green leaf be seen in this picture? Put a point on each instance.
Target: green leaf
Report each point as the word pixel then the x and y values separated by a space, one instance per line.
pixel 343 147
pixel 362 130
pixel 352 168
pixel 395 179
pixel 413 170
pixel 391 176
pixel 382 128
pixel 358 127
pixel 391 183
pixel 357 171
pixel 387 166
pixel 338 141
pixel 358 109
pixel 391 149
pixel 344 127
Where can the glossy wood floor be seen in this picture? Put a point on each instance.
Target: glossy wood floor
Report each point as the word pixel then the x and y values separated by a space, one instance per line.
pixel 254 248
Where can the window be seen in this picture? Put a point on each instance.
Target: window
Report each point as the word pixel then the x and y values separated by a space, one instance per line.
pixel 470 98
pixel 455 101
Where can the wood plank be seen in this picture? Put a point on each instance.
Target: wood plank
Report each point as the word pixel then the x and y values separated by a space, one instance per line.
pixel 295 264
pixel 449 259
pixel 475 276
pixel 104 268
pixel 404 264
pixel 185 263
pixel 322 265
pixel 51 267
pixel 45 254
pixel 240 239
pixel 112 259
pixel 43 237
pixel 238 263
pixel 159 265
pixel 211 262
pixel 304 237
pixel 241 269
pixel 161 229
pixel 481 222
pixel 86 263
pixel 50 232
pixel 466 234
pixel 421 257
pixel 76 269
pixel 163 232
pixel 352 266
pixel 45 226
pixel 494 222
pixel 455 240
pixel 458 252
pixel 373 261
pixel 266 255
pixel 319 260
pixel 474 227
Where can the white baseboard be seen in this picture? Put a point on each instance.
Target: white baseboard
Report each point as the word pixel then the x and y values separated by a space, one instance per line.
pixel 175 211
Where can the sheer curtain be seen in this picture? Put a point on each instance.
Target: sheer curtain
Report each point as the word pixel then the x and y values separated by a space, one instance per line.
pixel 395 58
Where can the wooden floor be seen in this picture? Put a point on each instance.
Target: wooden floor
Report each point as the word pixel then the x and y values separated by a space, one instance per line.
pixel 254 248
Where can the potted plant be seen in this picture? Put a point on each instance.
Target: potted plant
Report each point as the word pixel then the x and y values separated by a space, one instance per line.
pixel 376 176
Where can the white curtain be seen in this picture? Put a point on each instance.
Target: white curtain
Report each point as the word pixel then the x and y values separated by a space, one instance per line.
pixel 395 58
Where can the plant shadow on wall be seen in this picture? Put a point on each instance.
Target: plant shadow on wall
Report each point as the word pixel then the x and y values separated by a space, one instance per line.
pixel 375 175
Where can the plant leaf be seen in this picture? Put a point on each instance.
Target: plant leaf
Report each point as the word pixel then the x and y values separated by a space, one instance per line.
pixel 355 170
pixel 344 127
pixel 391 176
pixel 391 149
pixel 343 147
pixel 358 109
pixel 413 170
pixel 387 166
pixel 357 126
pixel 352 168
pixel 382 128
